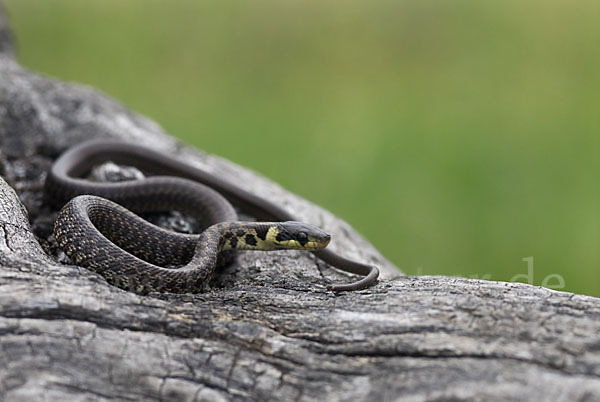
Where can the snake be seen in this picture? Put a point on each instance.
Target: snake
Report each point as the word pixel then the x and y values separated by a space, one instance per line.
pixel 99 226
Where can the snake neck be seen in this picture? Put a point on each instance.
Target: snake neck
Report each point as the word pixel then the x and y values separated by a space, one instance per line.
pixel 244 235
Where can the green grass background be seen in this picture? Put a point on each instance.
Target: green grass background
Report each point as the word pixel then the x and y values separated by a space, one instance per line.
pixel 459 137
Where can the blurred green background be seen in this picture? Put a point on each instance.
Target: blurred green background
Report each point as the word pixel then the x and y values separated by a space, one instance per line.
pixel 459 137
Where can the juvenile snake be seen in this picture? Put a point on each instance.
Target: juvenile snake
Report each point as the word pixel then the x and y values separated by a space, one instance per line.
pixel 131 253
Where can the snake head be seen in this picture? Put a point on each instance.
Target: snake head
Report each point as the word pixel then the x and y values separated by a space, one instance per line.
pixel 299 236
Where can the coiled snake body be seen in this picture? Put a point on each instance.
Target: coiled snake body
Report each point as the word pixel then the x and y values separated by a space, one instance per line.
pixel 131 253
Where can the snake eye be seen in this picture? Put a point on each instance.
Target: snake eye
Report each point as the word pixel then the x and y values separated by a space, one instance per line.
pixel 302 237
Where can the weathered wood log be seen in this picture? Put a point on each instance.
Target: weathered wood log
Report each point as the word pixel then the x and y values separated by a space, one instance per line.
pixel 268 329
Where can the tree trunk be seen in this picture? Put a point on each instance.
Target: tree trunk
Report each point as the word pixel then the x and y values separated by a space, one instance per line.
pixel 268 329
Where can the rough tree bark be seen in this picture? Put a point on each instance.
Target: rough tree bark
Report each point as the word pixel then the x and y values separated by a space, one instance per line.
pixel 268 330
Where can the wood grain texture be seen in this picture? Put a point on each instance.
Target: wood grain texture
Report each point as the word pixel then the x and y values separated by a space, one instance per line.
pixel 268 329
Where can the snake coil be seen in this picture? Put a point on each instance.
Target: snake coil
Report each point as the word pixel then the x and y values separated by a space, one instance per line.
pixel 178 186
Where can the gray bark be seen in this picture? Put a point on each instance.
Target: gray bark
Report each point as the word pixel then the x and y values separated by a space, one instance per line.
pixel 268 329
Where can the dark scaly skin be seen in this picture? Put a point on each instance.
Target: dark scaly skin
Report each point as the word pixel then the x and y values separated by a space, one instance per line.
pixel 76 234
pixel 94 231
pixel 184 193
